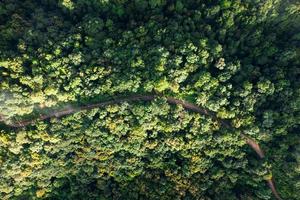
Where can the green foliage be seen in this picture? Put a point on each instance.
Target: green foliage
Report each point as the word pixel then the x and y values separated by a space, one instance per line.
pixel 239 59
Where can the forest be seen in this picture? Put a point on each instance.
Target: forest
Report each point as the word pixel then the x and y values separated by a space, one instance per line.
pixel 150 99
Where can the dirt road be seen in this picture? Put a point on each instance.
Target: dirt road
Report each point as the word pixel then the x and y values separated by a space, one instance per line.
pixel 187 105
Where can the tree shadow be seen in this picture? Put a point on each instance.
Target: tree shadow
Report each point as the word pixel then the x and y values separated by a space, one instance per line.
pixel 134 38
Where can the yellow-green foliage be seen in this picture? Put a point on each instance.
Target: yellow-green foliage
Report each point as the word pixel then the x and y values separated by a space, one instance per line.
pixel 238 59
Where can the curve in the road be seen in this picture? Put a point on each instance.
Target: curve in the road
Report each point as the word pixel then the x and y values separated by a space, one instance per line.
pixel 171 100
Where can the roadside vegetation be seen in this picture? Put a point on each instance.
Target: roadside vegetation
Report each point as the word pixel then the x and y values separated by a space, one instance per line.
pixel 236 59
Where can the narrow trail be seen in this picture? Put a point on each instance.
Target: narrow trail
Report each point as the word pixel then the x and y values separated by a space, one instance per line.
pixel 171 100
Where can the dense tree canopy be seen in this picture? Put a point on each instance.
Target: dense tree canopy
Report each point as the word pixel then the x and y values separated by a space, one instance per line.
pixel 238 59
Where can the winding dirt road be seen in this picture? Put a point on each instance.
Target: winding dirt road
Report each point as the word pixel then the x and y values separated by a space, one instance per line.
pixel 187 105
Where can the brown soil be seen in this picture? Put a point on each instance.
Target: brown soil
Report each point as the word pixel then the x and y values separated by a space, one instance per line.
pixel 253 144
pixel 189 106
pixel 271 185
